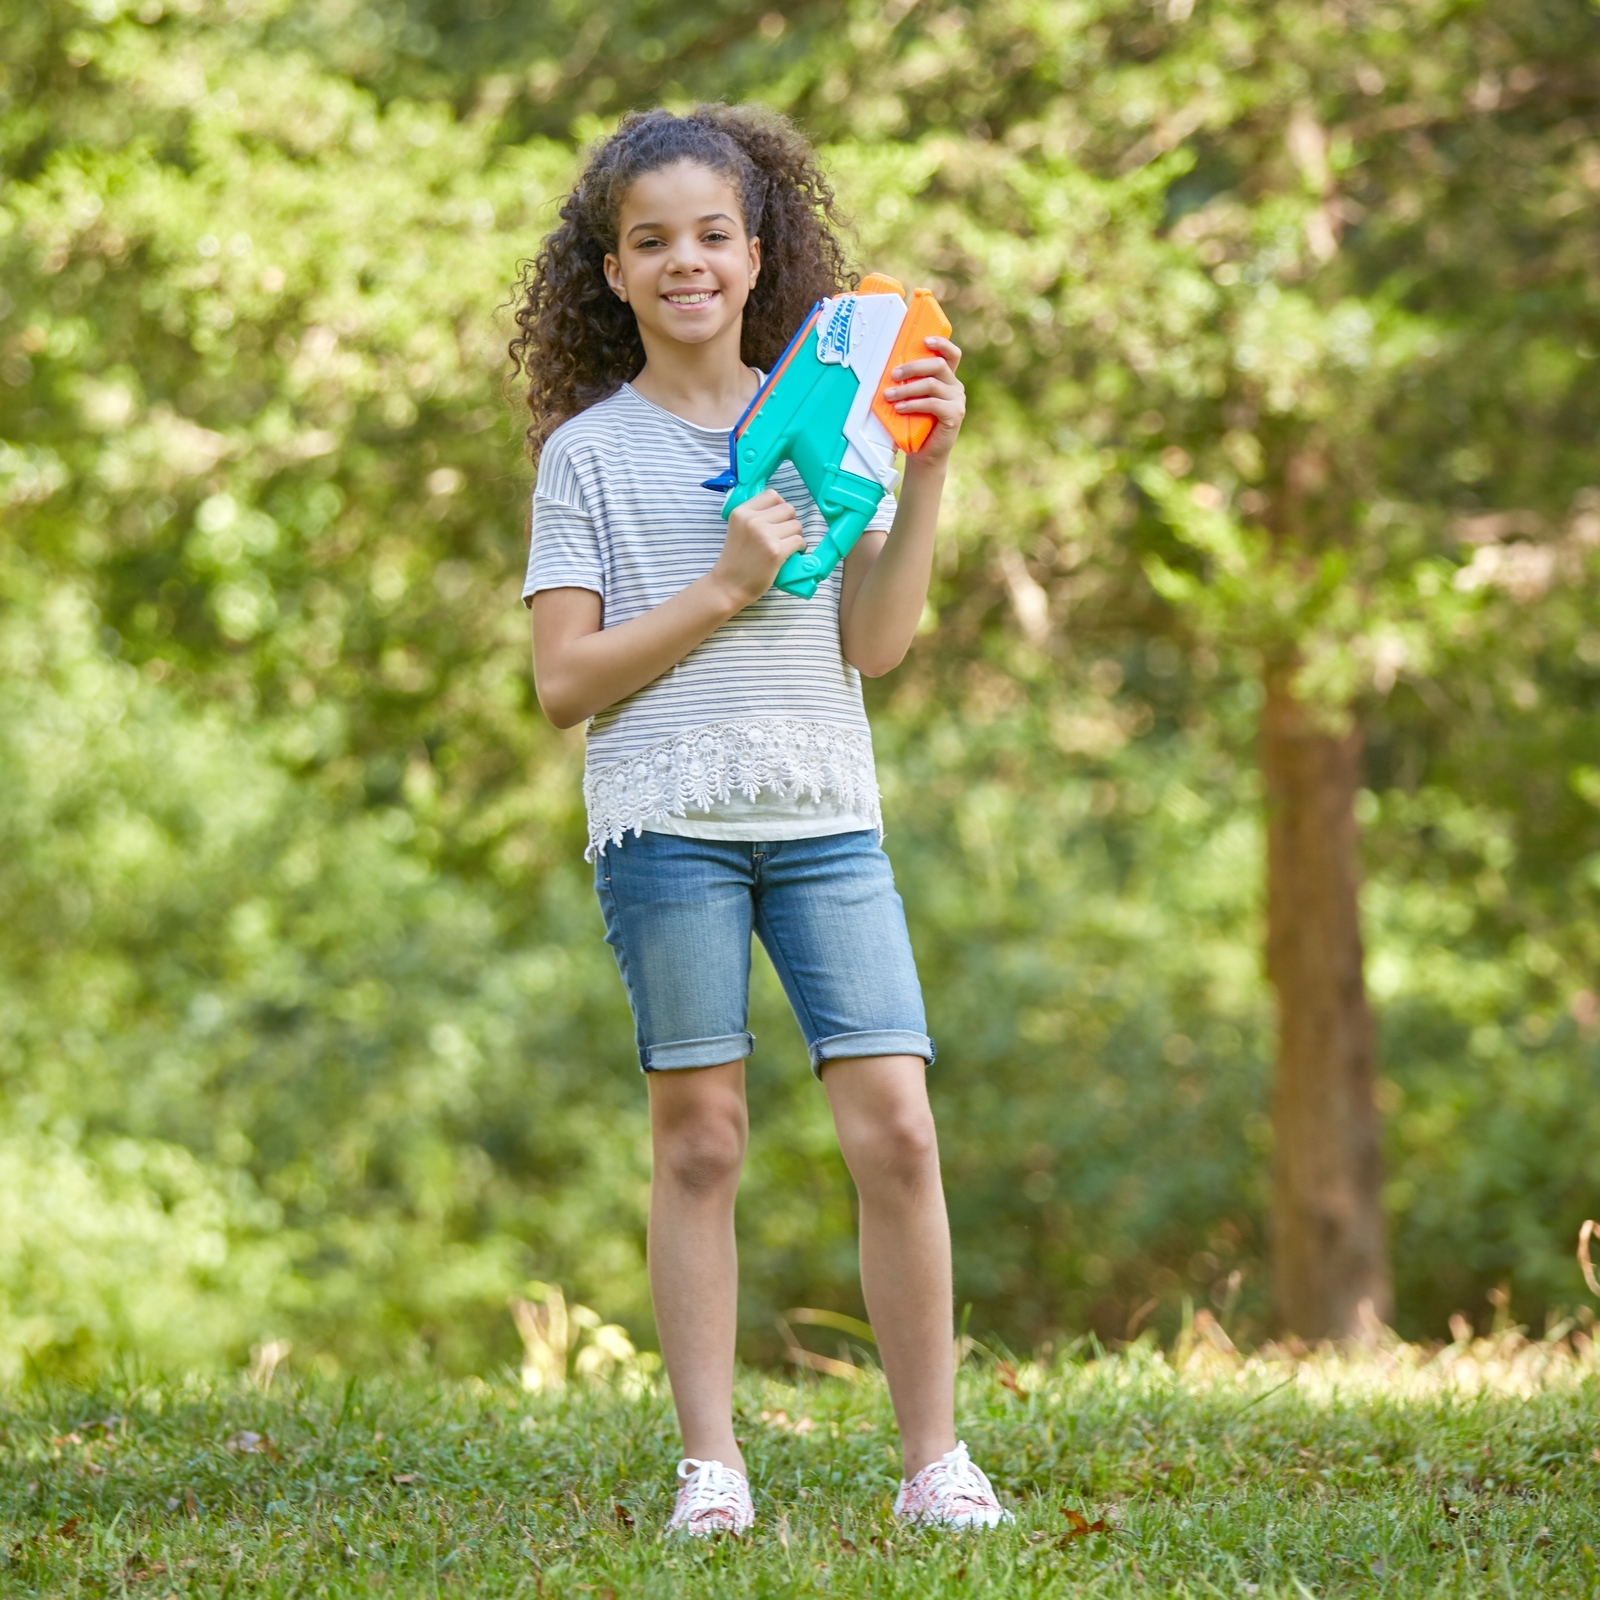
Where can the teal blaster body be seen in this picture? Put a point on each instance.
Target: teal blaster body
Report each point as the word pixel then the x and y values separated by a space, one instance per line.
pixel 817 409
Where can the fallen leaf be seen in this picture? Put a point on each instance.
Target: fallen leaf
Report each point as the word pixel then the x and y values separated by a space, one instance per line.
pixel 191 1503
pixel 1007 1375
pixel 1079 1526
pixel 624 1515
pixel 247 1443
pixel 69 1528
pixel 844 1543
pixel 405 1477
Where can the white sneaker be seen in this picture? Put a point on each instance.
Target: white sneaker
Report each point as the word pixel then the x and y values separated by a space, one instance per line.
pixel 951 1492
pixel 712 1499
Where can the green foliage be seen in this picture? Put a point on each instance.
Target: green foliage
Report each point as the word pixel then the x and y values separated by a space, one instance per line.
pixel 1280 324
pixel 1203 1478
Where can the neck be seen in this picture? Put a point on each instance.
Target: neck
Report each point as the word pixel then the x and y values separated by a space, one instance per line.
pixel 706 384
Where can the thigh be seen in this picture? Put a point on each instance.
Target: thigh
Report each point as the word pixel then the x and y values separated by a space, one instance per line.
pixel 830 917
pixel 678 916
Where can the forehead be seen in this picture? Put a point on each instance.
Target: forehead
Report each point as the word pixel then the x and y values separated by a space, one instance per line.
pixel 681 193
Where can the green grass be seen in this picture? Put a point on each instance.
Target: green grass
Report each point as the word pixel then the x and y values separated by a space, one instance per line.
pixel 1470 1472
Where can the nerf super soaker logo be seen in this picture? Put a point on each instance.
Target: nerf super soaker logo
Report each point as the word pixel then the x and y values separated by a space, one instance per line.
pixel 836 330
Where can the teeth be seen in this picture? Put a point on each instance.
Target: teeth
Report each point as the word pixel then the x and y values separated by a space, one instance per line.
pixel 698 297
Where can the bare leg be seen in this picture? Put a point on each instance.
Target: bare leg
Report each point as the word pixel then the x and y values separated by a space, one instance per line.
pixel 698 1128
pixel 880 1107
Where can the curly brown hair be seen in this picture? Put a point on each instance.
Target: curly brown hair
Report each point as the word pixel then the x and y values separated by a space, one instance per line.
pixel 576 343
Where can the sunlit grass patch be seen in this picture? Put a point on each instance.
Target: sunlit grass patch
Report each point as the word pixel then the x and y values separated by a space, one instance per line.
pixel 1199 1471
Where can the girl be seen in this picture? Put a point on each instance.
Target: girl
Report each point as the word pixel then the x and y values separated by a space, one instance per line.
pixel 729 777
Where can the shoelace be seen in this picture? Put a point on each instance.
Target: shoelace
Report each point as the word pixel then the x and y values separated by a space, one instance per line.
pixel 710 1485
pixel 958 1477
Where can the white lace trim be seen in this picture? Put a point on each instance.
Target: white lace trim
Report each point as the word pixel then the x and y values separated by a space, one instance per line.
pixel 699 769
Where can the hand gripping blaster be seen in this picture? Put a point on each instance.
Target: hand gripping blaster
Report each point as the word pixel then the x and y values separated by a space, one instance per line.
pixel 822 408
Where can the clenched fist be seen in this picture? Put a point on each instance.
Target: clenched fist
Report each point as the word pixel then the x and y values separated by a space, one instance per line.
pixel 762 534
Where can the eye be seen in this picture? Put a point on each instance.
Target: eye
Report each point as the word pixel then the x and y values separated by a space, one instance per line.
pixel 717 236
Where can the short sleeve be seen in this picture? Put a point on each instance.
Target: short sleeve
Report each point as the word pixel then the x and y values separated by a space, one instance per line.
pixel 564 552
pixel 883 517
pixel 564 547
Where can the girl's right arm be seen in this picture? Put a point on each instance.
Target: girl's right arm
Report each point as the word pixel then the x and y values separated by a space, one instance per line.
pixel 580 667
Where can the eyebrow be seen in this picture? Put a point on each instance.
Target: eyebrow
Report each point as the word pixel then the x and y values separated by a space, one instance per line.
pixel 661 227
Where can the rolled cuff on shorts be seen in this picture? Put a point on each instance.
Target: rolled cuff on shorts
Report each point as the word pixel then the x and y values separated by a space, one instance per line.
pixel 698 1052
pixel 879 1042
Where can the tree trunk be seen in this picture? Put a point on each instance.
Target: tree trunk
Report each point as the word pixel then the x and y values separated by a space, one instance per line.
pixel 1330 1254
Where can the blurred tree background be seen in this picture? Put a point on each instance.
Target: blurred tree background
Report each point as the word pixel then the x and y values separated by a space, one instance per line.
pixel 1278 514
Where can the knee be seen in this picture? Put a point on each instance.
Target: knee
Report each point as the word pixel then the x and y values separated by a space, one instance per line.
pixel 898 1150
pixel 702 1155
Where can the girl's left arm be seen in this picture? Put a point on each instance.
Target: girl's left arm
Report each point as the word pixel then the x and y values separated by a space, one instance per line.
pixel 886 576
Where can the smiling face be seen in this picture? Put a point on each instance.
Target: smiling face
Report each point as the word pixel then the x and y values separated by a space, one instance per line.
pixel 682 260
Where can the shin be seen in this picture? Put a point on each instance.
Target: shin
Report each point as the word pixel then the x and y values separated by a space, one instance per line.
pixel 880 1107
pixel 698 1128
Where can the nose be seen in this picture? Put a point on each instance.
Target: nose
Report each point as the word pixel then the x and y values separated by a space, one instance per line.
pixel 684 257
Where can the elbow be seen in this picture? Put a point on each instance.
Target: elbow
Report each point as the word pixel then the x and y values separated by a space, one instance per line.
pixel 875 664
pixel 561 708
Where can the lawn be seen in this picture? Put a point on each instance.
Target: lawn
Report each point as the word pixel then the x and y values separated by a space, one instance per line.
pixel 1464 1471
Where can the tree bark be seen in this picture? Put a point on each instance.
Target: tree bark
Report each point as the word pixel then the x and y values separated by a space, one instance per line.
pixel 1330 1259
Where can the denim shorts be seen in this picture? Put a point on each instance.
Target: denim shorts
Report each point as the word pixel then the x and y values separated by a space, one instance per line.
pixel 679 914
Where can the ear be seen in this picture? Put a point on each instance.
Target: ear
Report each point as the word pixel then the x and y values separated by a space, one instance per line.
pixel 613 272
pixel 755 261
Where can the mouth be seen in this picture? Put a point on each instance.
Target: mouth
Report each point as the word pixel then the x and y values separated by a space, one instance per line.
pixel 690 297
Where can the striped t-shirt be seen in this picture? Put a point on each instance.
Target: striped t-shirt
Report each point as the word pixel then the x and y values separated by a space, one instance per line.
pixel 759 732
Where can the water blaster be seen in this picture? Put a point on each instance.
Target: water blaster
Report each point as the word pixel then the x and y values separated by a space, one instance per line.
pixel 822 407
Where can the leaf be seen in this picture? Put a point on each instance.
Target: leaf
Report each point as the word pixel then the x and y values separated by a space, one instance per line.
pixel 1007 1375
pixel 404 1478
pixel 1585 1233
pixel 809 1358
pixel 1079 1526
pixel 811 1317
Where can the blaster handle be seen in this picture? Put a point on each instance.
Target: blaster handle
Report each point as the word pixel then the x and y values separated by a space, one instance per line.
pixel 924 316
pixel 803 573
pixel 807 570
